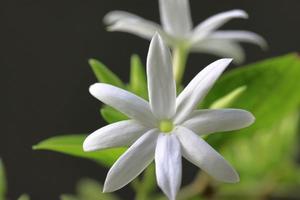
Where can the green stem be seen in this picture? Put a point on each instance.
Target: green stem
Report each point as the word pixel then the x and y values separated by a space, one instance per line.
pixel 180 55
pixel 197 187
pixel 146 186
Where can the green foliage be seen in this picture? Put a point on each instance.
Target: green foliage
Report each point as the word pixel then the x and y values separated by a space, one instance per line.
pixel 145 186
pixel 229 99
pixel 2 181
pixel 68 197
pixel 72 145
pixel 137 84
pixel 88 189
pixel 138 80
pixel 111 115
pixel 270 93
pixel 267 158
pixel 265 151
pixel 24 197
pixel 104 75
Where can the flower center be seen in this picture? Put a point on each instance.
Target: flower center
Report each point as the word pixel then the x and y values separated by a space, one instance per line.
pixel 166 126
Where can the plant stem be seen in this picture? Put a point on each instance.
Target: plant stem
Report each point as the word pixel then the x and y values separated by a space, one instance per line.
pixel 180 55
pixel 197 187
pixel 145 187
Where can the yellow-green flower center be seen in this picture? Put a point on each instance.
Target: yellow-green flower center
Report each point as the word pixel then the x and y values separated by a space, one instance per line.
pixel 166 126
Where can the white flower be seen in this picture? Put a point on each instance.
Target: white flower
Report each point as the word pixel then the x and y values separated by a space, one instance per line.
pixel 177 29
pixel 166 128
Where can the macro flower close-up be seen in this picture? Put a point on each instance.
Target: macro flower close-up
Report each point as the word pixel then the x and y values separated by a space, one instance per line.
pixel 166 128
pixel 204 107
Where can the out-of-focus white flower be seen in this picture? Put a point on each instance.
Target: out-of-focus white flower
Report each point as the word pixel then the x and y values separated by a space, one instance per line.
pixel 166 128
pixel 177 29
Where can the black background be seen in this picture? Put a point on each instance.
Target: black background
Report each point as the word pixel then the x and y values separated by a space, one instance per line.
pixel 44 48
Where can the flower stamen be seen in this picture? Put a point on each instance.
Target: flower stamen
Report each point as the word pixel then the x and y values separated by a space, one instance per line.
pixel 166 126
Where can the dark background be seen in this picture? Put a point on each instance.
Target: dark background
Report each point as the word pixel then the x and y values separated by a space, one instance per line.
pixel 44 48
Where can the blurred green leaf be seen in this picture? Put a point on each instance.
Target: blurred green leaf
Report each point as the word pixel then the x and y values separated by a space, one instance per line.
pixel 88 189
pixel 138 80
pixel 68 197
pixel 263 154
pixel 2 181
pixel 229 99
pixel 146 185
pixel 111 115
pixel 72 145
pixel 265 163
pixel 104 75
pixel 24 197
pixel 271 93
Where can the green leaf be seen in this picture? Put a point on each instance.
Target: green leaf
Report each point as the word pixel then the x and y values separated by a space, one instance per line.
pixel 263 154
pixel 104 75
pixel 138 80
pixel 89 189
pixel 24 197
pixel 265 163
pixel 111 115
pixel 229 99
pixel 72 145
pixel 271 93
pixel 68 197
pixel 2 181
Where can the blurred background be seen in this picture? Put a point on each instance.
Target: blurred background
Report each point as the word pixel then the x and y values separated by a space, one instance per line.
pixel 45 45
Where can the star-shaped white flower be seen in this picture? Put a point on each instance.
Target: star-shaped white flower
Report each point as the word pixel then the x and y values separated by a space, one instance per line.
pixel 166 128
pixel 177 29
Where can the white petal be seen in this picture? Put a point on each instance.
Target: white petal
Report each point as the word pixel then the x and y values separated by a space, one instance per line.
pixel 216 21
pixel 127 22
pixel 132 162
pixel 240 36
pixel 168 164
pixel 205 122
pixel 175 16
pixel 116 15
pixel 124 101
pixel 161 84
pixel 222 48
pixel 201 154
pixel 197 89
pixel 118 134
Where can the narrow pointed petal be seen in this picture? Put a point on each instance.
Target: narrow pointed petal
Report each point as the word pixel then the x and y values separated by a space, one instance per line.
pixel 175 16
pixel 124 101
pixel 201 154
pixel 168 164
pixel 116 15
pixel 240 36
pixel 197 89
pixel 127 22
pixel 132 162
pixel 216 21
pixel 205 122
pixel 118 134
pixel 161 84
pixel 221 48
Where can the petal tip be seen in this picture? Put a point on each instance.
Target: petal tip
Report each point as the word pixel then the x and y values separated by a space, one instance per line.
pixel 156 37
pixel 86 145
pixel 250 118
pixel 225 61
pixel 234 179
pixel 96 88
pixel 241 13
pixel 106 189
